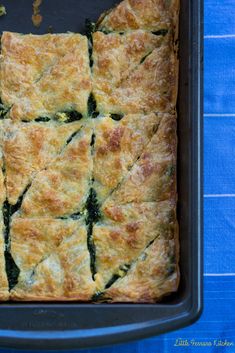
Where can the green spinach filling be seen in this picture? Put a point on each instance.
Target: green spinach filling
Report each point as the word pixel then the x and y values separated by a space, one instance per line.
pixel 91 249
pixel 160 32
pixel 93 216
pixel 92 140
pixel 145 57
pixel 72 115
pixel 92 206
pixel 122 272
pixel 12 269
pixel 67 116
pixel 72 137
pixel 90 28
pixel 2 10
pixel 117 117
pixel 75 216
pixel 42 119
pixel 92 108
pixel 3 110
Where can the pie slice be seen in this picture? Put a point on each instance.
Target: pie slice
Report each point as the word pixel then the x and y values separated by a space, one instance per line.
pixel 153 275
pixel 61 190
pixel 121 53
pixel 134 72
pixel 153 176
pixel 117 146
pixel 125 232
pixel 53 260
pixel 64 88
pixel 152 15
pixel 31 147
pixel 28 59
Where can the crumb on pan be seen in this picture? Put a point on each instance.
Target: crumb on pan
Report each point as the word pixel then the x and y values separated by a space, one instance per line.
pixel 2 10
pixel 36 17
pixel 50 29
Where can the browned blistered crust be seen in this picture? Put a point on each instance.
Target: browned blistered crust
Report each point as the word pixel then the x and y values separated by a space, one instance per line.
pixel 152 15
pixel 118 145
pixel 30 148
pixel 62 189
pixel 44 74
pixel 126 231
pixel 153 176
pixel 122 246
pixel 153 275
pixel 135 72
pixel 54 261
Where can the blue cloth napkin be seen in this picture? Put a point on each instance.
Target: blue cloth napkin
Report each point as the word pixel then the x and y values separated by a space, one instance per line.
pixel 215 330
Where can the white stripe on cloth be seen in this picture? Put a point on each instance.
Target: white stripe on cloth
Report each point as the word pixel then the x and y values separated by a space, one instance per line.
pixel 219 36
pixel 218 115
pixel 219 195
pixel 219 274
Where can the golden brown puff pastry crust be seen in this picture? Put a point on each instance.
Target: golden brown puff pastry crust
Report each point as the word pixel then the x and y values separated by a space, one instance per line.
pixel 154 274
pixel 59 82
pixel 126 232
pixel 53 258
pixel 153 176
pixel 30 59
pixel 90 206
pixel 118 144
pixel 152 15
pixel 62 188
pixel 134 73
pixel 30 148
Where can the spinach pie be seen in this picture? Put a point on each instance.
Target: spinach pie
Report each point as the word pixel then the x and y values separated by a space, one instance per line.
pixel 88 159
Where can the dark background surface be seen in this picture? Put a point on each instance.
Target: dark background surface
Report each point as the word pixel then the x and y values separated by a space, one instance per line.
pixel 69 15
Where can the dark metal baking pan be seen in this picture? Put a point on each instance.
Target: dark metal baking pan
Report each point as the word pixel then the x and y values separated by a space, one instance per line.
pixel 72 325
